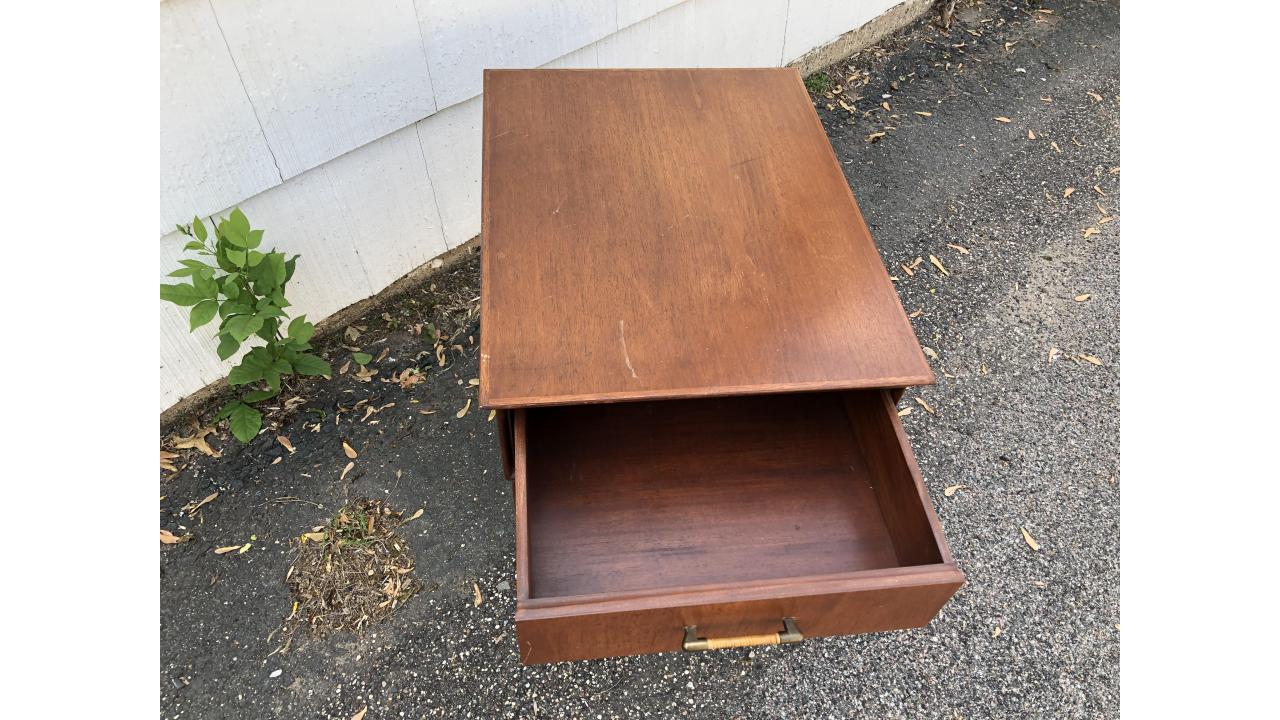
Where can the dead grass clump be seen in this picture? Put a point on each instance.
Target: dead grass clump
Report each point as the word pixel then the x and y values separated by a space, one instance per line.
pixel 352 572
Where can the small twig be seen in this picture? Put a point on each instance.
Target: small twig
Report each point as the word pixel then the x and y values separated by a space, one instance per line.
pixel 291 499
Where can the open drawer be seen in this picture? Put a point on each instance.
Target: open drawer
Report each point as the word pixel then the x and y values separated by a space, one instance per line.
pixel 651 526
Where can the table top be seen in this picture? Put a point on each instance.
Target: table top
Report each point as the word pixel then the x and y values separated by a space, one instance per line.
pixel 673 234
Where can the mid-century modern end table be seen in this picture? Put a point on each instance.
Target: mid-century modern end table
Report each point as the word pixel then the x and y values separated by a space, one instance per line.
pixel 696 353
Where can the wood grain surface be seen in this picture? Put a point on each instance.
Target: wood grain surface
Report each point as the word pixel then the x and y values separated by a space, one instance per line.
pixel 674 233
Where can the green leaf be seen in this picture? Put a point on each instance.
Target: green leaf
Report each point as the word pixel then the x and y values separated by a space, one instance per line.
pixel 254 238
pixel 236 229
pixel 226 410
pixel 198 227
pixel 183 272
pixel 289 266
pixel 240 222
pixel 237 257
pixel 306 364
pixel 301 330
pixel 277 266
pixel 245 423
pixel 242 326
pixel 230 287
pixel 263 276
pixel 257 396
pixel 227 346
pixel 234 308
pixel 193 245
pixel 277 299
pixel 362 358
pixel 268 330
pixel 203 312
pixel 255 257
pixel 220 254
pixel 181 294
pixel 205 285
pixel 246 372
pixel 233 236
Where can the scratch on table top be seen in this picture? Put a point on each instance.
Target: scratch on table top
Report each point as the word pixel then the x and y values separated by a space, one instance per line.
pixel 622 338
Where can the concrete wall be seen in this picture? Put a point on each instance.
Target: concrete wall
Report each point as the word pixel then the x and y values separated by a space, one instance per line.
pixel 351 130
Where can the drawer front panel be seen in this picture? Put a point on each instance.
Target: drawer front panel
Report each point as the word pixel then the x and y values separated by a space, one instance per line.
pixel 545 637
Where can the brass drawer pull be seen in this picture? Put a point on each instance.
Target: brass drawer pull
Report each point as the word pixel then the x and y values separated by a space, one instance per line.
pixel 790 634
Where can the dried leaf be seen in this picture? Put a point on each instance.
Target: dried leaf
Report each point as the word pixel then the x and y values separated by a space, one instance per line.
pixel 208 499
pixel 916 314
pixel 226 549
pixel 284 441
pixel 1030 540
pixel 930 352
pixel 440 356
pixel 904 412
pixel 473 382
pixel 1082 298
pixel 951 490
pixel 426 412
pixel 492 415
pixel 346 470
pixel 166 460
pixel 1067 193
pixel 885 105
pixel 938 264
pixel 925 405
pixel 1089 359
pixel 875 136
pixel 1099 191
pixel 360 715
pixel 907 269
pixel 1090 231
pixel 350 451
pixel 198 442
pixel 414 516
pixel 1003 119
pixel 995 632
pixel 1114 171
pixel 1053 354
pixel 168 538
pixel 1055 147
pixel 1031 135
pixel 464 409
pixel 922 113
pixel 313 537
pixel 1096 97
pixel 959 248
pixel 345 367
pixel 479 599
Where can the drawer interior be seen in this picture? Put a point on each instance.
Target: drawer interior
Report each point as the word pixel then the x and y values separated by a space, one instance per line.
pixel 643 496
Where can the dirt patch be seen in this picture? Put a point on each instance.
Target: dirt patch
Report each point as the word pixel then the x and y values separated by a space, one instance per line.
pixel 350 573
